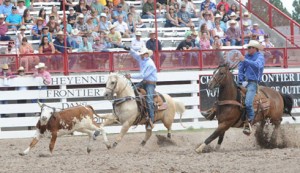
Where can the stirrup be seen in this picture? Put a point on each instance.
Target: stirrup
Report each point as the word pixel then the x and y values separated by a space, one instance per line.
pixel 247 128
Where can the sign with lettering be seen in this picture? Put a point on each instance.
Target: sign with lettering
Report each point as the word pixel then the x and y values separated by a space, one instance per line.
pixel 286 83
pixel 78 80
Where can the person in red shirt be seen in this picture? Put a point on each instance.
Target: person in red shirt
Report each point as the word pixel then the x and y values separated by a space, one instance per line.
pixel 3 29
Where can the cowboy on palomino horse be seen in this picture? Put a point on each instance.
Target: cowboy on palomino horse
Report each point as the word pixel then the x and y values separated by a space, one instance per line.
pixel 148 73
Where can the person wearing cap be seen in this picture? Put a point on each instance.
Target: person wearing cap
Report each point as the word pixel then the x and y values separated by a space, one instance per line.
pixel 3 29
pixel 247 33
pixel 21 7
pixel 137 43
pixel 148 74
pixel 148 10
pixel 36 30
pixel 136 17
pixel 233 34
pixel 250 71
pixel 187 57
pixel 104 24
pixel 6 8
pixel 121 27
pixel 118 12
pixel 211 5
pixel 114 37
pixel 257 31
pixel 71 17
pixel 21 34
pixel 14 20
pixel 184 18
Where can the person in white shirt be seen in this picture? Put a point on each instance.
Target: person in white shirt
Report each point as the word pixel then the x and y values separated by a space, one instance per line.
pixel 190 8
pixel 21 7
pixel 122 27
pixel 137 43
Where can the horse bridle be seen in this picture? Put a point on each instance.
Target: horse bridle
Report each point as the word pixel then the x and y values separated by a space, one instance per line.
pixel 220 80
pixel 113 89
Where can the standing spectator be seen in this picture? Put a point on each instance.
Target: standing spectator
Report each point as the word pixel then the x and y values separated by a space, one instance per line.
pixel 45 75
pixel 211 5
pixel 119 11
pixel 97 6
pixel 21 7
pixel 37 29
pixel 138 44
pixel 72 17
pixel 6 8
pixel 81 5
pixel 136 18
pixel 14 20
pixel 148 10
pixel 53 25
pixel 225 4
pixel 104 24
pixel 21 73
pixel 5 74
pixel 27 19
pixel 171 18
pixel 247 34
pixel 3 29
pixel 115 38
pixel 60 45
pixel 122 27
pixel 27 61
pixel 184 17
pixel 233 34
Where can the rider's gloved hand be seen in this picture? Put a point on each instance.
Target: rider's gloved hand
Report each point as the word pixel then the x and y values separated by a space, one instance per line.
pixel 244 84
pixel 127 48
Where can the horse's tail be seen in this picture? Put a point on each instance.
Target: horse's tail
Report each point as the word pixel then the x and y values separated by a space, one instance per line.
pixel 180 109
pixel 288 104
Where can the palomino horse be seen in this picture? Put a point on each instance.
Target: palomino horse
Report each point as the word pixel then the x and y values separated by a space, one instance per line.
pixel 229 109
pixel 127 111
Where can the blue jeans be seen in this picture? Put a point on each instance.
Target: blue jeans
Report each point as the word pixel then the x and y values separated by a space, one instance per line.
pixel 234 42
pixel 149 97
pixel 251 92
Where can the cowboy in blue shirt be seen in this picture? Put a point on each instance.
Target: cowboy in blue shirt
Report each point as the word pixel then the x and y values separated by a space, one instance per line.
pixel 250 71
pixel 148 73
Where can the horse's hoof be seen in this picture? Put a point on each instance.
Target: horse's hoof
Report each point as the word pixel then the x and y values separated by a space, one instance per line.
pixel 88 150
pixel 143 143
pixel 169 135
pixel 22 154
pixel 114 145
pixel 218 147
pixel 199 150
pixel 108 146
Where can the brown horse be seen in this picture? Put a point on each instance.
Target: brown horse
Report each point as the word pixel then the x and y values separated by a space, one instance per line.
pixel 229 109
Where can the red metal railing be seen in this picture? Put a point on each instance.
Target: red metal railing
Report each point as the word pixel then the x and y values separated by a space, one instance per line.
pixel 274 18
pixel 122 61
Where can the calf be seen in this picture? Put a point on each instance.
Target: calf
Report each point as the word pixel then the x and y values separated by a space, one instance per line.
pixel 79 118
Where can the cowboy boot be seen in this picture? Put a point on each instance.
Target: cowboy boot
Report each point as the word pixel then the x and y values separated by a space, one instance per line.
pixel 209 114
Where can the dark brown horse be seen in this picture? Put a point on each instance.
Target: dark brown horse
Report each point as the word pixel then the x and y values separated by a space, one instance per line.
pixel 229 109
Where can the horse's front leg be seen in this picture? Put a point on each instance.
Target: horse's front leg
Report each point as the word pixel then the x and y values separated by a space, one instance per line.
pixel 126 125
pixel 147 136
pixel 218 132
pixel 220 140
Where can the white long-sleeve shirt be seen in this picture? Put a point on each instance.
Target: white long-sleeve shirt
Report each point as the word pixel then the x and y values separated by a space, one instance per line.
pixel 137 45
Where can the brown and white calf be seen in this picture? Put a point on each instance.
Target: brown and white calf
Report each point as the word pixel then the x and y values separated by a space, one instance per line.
pixel 79 118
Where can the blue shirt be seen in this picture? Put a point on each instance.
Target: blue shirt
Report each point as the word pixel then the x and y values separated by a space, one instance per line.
pixel 6 10
pixel 117 13
pixel 148 69
pixel 251 68
pixel 60 46
pixel 14 19
pixel 212 6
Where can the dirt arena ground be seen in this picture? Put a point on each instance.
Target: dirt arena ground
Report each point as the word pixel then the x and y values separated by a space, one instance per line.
pixel 239 154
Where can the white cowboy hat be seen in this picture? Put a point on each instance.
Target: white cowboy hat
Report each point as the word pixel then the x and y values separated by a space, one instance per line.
pixel 254 43
pixel 80 16
pixel 232 22
pixel 41 65
pixel 218 16
pixel 246 24
pixel 2 16
pixel 246 13
pixel 60 33
pixel 23 27
pixel 138 33
pixel 232 14
pixel 4 67
pixel 75 31
pixel 145 50
pixel 103 15
pixel 112 27
pixel 21 68
pixel 255 24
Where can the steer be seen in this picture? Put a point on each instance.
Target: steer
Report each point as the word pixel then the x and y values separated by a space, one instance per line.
pixel 79 118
